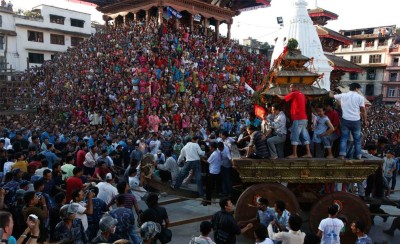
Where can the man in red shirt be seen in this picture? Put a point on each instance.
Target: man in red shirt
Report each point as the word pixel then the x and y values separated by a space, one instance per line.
pixel 75 182
pixel 298 133
pixel 80 155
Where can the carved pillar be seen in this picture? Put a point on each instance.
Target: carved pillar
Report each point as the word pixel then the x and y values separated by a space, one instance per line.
pixel 176 23
pixel 115 22
pixel 147 16
pixel 134 16
pixel 217 29
pixel 191 21
pixel 160 15
pixel 229 31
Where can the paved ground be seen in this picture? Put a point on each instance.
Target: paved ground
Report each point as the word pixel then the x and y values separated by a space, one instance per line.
pixel 191 209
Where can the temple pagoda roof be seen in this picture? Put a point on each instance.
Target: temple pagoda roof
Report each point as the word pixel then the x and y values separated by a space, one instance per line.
pixel 230 4
pixel 319 12
pixel 324 32
pixel 339 63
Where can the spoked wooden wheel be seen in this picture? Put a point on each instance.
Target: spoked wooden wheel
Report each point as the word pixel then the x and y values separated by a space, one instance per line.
pixel 271 191
pixel 351 208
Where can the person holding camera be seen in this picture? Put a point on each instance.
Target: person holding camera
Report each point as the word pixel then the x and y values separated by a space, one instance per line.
pixel 32 201
pixel 29 236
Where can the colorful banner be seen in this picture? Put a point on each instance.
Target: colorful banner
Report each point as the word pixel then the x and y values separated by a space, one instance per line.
pixel 197 17
pixel 259 111
pixel 173 12
pixel 265 2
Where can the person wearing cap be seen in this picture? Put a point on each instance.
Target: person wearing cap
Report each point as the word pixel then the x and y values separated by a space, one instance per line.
pixel 330 228
pixel 148 231
pixel 126 228
pixel 192 153
pixel 106 190
pixel 107 226
pixel 70 228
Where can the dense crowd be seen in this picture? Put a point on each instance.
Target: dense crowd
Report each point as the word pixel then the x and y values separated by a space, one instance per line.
pixel 120 96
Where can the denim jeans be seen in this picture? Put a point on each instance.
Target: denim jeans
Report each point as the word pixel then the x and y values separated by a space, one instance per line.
pixel 353 127
pixel 299 133
pixel 226 182
pixel 196 166
pixel 134 236
pixel 328 140
pixel 272 141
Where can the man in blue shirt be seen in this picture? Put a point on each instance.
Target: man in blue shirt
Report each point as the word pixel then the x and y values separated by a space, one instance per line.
pixel 51 157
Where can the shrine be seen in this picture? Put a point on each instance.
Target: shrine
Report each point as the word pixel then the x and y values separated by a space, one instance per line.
pixel 189 12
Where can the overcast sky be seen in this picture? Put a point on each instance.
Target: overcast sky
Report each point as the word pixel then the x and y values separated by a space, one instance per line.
pixel 261 24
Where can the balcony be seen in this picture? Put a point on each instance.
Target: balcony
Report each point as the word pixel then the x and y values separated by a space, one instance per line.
pixel 394 49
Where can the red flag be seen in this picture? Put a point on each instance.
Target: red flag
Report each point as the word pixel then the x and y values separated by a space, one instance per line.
pixel 265 2
pixel 259 111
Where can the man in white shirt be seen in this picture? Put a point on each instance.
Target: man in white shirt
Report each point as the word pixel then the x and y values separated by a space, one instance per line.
pixel 213 175
pixel 329 229
pixel 170 166
pixel 352 104
pixel 192 153
pixel 226 168
pixel 106 190
pixel 84 208
pixel 294 236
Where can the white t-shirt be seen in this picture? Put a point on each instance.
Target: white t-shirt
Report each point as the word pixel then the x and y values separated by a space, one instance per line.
pixel 80 215
pixel 215 162
pixel 266 241
pixel 331 228
pixel 350 103
pixel 7 166
pixel 106 192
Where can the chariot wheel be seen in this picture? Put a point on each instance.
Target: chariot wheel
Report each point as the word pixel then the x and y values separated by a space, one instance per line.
pixel 351 208
pixel 271 191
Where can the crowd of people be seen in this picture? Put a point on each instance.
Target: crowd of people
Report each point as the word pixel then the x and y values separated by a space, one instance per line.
pixel 142 91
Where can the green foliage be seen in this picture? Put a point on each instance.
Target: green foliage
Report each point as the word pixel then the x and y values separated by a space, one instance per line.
pixel 292 44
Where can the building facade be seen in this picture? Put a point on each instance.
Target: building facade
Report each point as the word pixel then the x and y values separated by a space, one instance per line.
pixel 30 39
pixel 373 49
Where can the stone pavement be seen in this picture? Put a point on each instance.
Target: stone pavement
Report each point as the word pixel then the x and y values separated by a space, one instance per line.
pixel 191 209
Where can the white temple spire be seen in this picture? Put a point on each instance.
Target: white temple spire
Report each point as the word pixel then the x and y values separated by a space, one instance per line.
pixel 300 27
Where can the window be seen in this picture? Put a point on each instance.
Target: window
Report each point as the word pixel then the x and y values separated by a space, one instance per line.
pixel 393 77
pixel 75 41
pixel 382 42
pixel 376 58
pixel 2 62
pixel 391 92
pixel 353 76
pixel 77 23
pixel 398 93
pixel 1 21
pixel 357 44
pixel 57 39
pixel 57 19
pixel 34 36
pixel 395 62
pixel 371 73
pixel 369 90
pixel 36 58
pixel 369 43
pixel 356 59
pixel 1 42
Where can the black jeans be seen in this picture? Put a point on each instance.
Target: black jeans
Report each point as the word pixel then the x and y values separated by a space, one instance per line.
pixel 212 181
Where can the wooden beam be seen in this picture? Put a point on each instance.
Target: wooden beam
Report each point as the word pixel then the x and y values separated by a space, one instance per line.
pixel 189 221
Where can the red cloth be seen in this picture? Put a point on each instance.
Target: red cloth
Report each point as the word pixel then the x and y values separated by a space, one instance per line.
pixel 334 118
pixel 80 158
pixel 101 171
pixel 298 107
pixel 73 183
